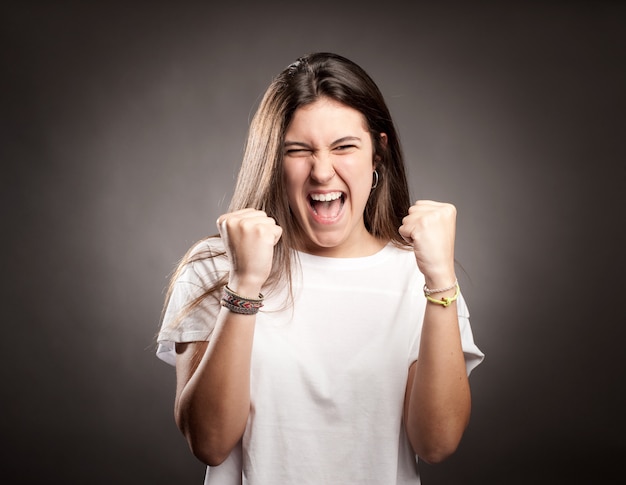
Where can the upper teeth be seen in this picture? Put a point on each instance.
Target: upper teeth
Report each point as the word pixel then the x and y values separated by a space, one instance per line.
pixel 326 197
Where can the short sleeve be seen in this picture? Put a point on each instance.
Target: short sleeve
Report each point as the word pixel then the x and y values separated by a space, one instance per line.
pixel 473 355
pixel 180 322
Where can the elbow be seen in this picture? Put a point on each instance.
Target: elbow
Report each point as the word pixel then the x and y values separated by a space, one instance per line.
pixel 211 439
pixel 437 445
pixel 209 455
pixel 436 454
pixel 211 448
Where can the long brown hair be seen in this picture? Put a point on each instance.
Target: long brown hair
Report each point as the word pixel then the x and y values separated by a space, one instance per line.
pixel 260 183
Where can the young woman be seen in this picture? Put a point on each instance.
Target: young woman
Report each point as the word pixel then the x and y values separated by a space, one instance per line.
pixel 321 337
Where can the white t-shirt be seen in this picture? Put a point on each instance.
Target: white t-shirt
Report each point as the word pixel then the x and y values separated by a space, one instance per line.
pixel 328 375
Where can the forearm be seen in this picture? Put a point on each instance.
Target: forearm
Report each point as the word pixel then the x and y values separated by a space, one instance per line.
pixel 213 404
pixel 438 402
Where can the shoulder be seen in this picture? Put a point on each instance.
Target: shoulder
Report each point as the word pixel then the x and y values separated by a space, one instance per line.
pixel 204 262
pixel 399 266
pixel 208 247
pixel 402 256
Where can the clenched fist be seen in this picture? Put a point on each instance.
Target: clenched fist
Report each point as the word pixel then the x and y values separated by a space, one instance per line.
pixel 249 237
pixel 430 227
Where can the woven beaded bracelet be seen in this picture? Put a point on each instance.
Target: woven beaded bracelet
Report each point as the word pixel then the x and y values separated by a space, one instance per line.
pixel 240 304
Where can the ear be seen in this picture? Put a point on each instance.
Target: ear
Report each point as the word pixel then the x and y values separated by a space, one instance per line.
pixel 383 144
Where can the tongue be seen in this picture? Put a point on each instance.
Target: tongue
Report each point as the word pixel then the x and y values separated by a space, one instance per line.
pixel 327 210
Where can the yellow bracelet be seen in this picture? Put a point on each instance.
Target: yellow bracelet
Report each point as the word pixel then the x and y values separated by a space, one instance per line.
pixel 446 300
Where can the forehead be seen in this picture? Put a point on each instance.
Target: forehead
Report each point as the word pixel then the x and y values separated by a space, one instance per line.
pixel 327 116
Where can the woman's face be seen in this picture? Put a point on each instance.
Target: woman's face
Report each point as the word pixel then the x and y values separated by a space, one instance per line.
pixel 328 169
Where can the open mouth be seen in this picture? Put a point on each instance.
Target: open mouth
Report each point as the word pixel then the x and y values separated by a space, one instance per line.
pixel 327 206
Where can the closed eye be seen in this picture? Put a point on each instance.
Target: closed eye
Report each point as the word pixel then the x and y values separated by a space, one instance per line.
pixel 344 148
pixel 294 152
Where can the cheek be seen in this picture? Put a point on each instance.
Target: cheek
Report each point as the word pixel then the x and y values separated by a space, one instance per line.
pixel 293 173
pixel 293 185
pixel 363 178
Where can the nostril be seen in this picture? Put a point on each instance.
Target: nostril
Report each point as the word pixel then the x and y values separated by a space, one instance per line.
pixel 322 175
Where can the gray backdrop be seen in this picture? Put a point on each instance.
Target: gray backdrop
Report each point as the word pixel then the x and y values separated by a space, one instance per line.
pixel 122 130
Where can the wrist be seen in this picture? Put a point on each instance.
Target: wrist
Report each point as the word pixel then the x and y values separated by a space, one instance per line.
pixel 444 296
pixel 441 290
pixel 237 303
pixel 441 280
pixel 245 288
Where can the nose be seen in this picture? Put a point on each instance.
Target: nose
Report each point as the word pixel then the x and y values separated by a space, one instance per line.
pixel 322 170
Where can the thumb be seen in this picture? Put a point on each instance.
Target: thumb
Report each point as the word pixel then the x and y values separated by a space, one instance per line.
pixel 406 234
pixel 278 232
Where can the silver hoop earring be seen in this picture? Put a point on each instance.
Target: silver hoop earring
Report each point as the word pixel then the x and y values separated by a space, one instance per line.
pixel 375 180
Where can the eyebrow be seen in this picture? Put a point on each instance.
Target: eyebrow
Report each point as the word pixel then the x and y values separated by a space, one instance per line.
pixel 336 142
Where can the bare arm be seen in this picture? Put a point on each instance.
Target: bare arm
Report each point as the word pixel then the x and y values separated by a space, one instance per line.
pixel 213 378
pixel 213 387
pixel 437 403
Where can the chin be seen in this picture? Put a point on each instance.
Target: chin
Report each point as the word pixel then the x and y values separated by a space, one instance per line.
pixel 324 246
